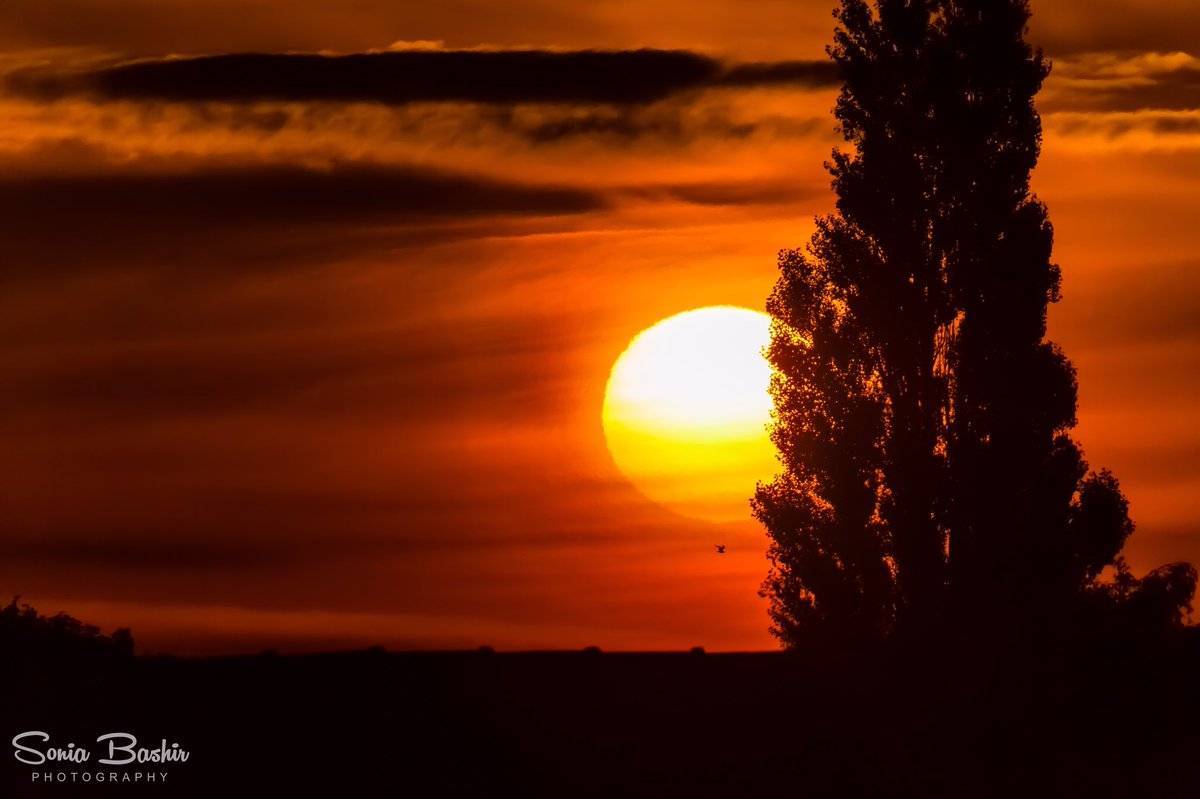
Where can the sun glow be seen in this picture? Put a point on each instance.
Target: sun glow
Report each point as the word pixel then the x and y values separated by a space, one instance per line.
pixel 686 410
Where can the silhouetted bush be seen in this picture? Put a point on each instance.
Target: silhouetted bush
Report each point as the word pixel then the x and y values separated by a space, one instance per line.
pixel 28 638
pixel 1156 606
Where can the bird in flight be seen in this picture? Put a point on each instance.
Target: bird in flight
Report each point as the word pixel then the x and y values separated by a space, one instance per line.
pixel 720 549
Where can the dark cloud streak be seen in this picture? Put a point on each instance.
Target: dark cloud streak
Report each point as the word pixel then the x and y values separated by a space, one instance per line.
pixel 109 549
pixel 493 369
pixel 285 194
pixel 805 73
pixel 729 194
pixel 618 77
pixel 270 214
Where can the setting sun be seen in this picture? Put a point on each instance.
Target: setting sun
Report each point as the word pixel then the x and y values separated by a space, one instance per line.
pixel 686 410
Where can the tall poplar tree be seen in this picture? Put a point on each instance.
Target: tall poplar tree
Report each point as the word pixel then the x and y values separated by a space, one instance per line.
pixel 922 418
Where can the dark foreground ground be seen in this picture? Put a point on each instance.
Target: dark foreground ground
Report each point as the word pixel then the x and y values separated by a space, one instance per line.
pixel 1119 723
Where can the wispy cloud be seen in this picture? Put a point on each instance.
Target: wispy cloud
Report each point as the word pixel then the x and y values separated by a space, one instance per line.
pixel 1116 82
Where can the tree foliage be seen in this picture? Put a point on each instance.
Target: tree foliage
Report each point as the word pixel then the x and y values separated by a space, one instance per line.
pixel 28 636
pixel 922 418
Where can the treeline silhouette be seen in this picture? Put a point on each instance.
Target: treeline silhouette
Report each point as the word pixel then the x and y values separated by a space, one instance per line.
pixel 1109 720
pixel 29 638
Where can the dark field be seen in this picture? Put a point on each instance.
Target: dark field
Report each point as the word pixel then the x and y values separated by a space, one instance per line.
pixel 1121 722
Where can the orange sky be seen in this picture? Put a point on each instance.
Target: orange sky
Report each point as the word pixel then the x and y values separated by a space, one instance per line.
pixel 308 371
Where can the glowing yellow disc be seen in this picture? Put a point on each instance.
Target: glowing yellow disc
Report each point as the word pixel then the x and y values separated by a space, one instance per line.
pixel 686 411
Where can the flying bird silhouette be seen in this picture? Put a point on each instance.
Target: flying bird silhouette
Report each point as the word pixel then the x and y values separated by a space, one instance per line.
pixel 720 549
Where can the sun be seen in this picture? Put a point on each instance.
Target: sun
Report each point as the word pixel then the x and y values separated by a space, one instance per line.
pixel 686 411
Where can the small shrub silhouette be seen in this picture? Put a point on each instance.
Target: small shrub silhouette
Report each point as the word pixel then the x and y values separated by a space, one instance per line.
pixel 29 638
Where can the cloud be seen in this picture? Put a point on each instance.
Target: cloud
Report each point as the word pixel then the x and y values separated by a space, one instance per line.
pixel 734 193
pixel 288 194
pixel 1067 28
pixel 1129 130
pixel 272 213
pixel 616 77
pixel 815 74
pixel 1121 82
pixel 1112 309
pixel 110 550
pixel 667 122
pixel 480 368
pixel 1138 101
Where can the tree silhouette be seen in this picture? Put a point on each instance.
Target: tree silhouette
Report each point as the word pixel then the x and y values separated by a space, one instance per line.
pixel 28 638
pixel 922 419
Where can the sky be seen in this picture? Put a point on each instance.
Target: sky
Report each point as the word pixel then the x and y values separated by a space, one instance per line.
pixel 305 353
